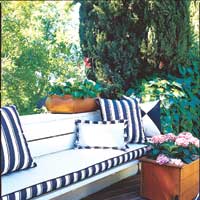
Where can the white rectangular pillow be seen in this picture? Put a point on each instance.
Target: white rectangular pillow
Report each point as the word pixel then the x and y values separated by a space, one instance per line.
pixel 101 134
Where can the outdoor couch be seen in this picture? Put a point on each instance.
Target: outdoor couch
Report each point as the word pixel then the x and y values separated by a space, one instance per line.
pixel 63 171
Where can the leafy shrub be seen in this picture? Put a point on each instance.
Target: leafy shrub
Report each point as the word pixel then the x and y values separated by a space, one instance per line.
pixel 111 33
pixel 179 97
pixel 77 88
pixel 130 39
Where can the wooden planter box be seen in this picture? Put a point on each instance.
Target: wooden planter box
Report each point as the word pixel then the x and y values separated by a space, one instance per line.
pixel 169 182
pixel 67 104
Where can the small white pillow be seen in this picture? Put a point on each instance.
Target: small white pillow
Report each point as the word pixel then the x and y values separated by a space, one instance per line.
pixel 101 134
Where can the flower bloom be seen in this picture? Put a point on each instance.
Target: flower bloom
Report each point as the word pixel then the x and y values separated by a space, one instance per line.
pixel 162 159
pixel 176 162
pixel 158 139
pixel 87 62
pixel 186 135
pixel 187 138
pixel 71 80
pixel 194 141
pixel 173 144
pixel 184 142
pixel 170 136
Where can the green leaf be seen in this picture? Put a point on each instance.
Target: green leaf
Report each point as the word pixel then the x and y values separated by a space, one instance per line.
pixel 186 152
pixel 194 150
pixel 155 152
pixel 77 94
pixel 168 146
pixel 187 160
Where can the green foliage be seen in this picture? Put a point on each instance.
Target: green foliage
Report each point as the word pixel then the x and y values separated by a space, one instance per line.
pixel 77 88
pixel 129 39
pixel 111 33
pixel 179 97
pixel 169 35
pixel 36 48
pixel 124 40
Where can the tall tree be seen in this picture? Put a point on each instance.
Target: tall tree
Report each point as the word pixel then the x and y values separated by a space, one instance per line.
pixel 111 33
pixel 36 47
pixel 170 34
pixel 130 39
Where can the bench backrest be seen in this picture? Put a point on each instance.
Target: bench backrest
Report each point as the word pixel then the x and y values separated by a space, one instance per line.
pixel 49 133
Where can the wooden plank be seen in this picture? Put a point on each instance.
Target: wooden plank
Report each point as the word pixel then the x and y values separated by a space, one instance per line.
pixel 127 189
pixel 189 186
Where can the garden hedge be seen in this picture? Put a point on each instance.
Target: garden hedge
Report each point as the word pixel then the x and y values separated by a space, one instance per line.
pixel 127 39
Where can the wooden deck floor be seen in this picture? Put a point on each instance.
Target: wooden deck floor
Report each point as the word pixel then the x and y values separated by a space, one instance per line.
pixel 127 189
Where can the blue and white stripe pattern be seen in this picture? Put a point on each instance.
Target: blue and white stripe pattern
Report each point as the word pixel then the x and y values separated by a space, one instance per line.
pixel 126 108
pixel 74 177
pixel 122 121
pixel 15 154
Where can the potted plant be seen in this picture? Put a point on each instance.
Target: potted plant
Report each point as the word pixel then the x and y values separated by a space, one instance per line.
pixel 75 95
pixel 171 168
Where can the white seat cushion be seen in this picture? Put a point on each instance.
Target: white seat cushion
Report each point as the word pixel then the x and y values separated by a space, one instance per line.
pixel 62 163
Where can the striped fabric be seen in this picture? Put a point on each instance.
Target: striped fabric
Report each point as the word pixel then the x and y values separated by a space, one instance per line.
pixel 95 133
pixel 15 154
pixel 74 177
pixel 126 108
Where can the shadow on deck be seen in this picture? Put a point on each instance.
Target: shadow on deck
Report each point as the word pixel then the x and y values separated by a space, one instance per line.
pixel 128 189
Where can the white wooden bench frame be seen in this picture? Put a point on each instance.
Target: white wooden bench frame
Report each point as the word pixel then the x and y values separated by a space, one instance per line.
pixel 42 122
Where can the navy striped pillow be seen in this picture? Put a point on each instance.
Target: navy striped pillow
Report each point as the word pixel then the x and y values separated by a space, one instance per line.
pixel 126 108
pixel 15 154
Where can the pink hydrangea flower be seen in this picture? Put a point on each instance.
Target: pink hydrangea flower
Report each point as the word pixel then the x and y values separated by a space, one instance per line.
pixel 158 139
pixel 162 159
pixel 194 141
pixel 184 139
pixel 184 142
pixel 176 162
pixel 186 135
pixel 170 137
